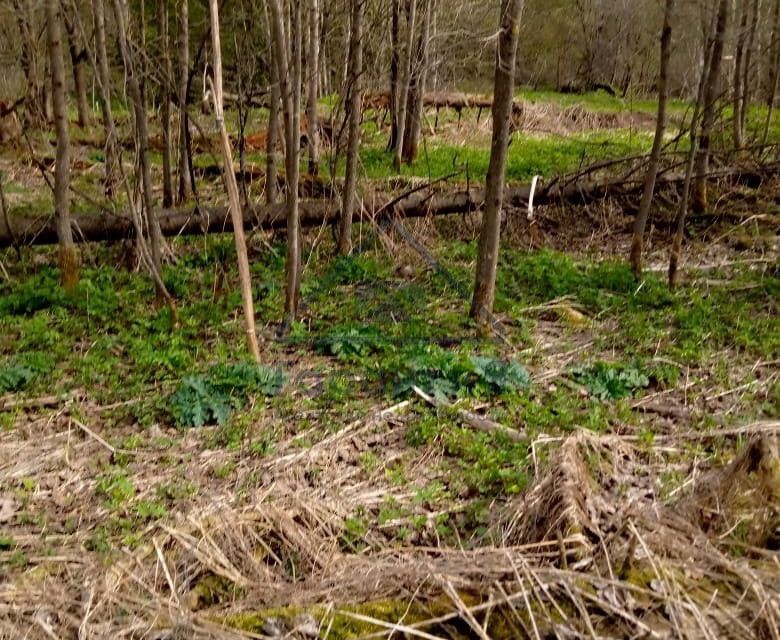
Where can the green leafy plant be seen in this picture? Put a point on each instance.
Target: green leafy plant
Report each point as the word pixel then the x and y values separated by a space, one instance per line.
pixel 15 377
pixel 208 399
pixel 445 374
pixel 611 381
pixel 350 342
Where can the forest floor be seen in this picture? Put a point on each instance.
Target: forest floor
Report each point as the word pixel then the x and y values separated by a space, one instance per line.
pixel 605 464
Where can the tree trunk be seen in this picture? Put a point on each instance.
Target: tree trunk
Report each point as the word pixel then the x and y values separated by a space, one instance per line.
pixel 774 70
pixel 739 58
pixel 36 96
pixel 290 88
pixel 709 111
pixel 640 222
pixel 142 140
pixel 487 259
pixel 185 191
pixel 68 254
pixel 353 148
pixel 104 82
pixel 78 56
pixel 415 108
pixel 403 96
pixel 395 61
pixel 273 137
pixel 165 107
pixel 748 66
pixel 699 108
pixel 312 65
pixel 232 188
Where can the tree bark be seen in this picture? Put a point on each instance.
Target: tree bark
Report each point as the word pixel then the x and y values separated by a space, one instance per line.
pixel 231 187
pixel 699 109
pixel 185 191
pixel 107 226
pixel 312 94
pixel 35 109
pixel 489 239
pixel 78 55
pixel 748 66
pixel 395 62
pixel 709 111
pixel 739 58
pixel 142 140
pixel 104 82
pixel 353 148
pixel 415 108
pixel 68 254
pixel 637 241
pixel 406 68
pixel 290 88
pixel 774 70
pixel 165 107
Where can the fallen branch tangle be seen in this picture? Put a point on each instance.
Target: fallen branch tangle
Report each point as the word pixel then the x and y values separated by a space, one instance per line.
pixel 108 226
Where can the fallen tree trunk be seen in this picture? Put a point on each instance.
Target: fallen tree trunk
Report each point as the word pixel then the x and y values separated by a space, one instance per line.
pixel 108 226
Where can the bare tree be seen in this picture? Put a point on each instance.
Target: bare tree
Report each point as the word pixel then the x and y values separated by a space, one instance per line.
pixel 78 56
pixel 640 221
pixel 232 186
pixel 416 103
pixel 68 254
pixel 503 95
pixel 395 62
pixel 739 76
pixel 774 69
pixel 141 139
pixel 35 98
pixel 312 94
pixel 165 96
pixel 104 82
pixel 698 110
pixel 288 67
pixel 709 110
pixel 353 114
pixel 403 94
pixel 184 191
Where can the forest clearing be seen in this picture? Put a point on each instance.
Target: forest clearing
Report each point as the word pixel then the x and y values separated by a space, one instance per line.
pixel 504 364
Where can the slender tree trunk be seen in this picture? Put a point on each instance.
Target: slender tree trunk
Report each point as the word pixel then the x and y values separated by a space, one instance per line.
pixel 395 62
pixel 748 67
pixel 68 254
pixel 774 70
pixel 104 81
pixel 165 110
pixel 503 95
pixel 682 212
pixel 416 106
pixel 142 139
pixel 709 111
pixel 185 191
pixel 290 88
pixel 232 188
pixel 36 95
pixel 406 67
pixel 739 58
pixel 312 64
pixel 640 222
pixel 353 148
pixel 273 137
pixel 78 56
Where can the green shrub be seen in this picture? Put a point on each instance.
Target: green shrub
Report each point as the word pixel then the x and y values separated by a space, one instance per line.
pixel 208 399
